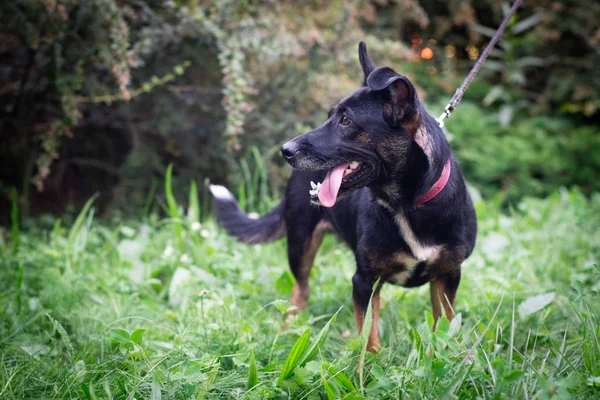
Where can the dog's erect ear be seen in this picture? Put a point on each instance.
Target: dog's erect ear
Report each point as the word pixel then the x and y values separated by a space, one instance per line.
pixel 401 99
pixel 365 61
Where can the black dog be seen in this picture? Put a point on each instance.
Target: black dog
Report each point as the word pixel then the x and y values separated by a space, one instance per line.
pixel 390 187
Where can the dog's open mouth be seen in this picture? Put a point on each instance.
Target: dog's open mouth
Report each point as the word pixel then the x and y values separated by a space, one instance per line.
pixel 342 175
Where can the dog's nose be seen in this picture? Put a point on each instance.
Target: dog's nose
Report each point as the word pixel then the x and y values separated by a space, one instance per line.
pixel 289 150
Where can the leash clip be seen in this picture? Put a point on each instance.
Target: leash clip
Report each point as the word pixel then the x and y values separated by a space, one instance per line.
pixel 444 115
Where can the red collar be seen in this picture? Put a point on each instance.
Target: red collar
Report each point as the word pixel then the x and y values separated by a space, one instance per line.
pixel 437 187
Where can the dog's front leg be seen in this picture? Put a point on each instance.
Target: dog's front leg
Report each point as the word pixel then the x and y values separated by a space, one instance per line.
pixel 362 288
pixel 443 292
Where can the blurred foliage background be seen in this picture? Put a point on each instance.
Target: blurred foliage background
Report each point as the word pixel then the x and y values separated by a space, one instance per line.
pixel 101 95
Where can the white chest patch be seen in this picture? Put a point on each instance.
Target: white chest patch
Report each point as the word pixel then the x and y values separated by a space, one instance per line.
pixel 409 263
pixel 419 250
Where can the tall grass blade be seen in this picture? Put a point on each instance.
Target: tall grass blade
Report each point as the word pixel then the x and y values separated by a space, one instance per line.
pixel 172 204
pixel 64 335
pixel 250 201
pixel 149 199
pixel 364 338
pixel 75 240
pixel 242 200
pixel 14 219
pixel 193 213
pixel 156 391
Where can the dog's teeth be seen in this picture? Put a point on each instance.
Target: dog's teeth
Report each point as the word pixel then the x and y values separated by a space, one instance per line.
pixel 316 188
pixel 354 164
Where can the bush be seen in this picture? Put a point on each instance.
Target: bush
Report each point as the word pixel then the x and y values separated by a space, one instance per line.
pixel 532 156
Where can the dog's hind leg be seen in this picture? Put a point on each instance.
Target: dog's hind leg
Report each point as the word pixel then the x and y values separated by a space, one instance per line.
pixel 302 248
pixel 443 292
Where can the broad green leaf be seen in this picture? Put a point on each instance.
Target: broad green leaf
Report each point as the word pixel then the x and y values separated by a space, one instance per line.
pixel 321 338
pixel 514 376
pixel 120 336
pixel 285 283
pixel 535 303
pixel 296 354
pixel 377 372
pixel 328 389
pixel 443 325
pixel 342 379
pixel 252 372
pixel 136 336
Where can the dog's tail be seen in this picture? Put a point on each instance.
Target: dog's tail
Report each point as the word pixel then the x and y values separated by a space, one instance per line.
pixel 237 223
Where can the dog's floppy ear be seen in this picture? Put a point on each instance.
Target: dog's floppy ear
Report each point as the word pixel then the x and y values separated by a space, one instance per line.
pixel 365 61
pixel 401 96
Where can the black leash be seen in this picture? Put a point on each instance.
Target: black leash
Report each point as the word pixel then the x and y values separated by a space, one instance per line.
pixel 462 89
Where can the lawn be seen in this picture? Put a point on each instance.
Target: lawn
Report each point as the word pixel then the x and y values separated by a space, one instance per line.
pixel 168 308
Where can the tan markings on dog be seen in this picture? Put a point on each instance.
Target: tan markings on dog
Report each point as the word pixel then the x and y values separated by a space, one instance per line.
pixel 373 344
pixel 363 138
pixel 422 138
pixel 301 290
pixel 393 152
pixel 395 268
pixel 440 295
pixel 412 124
pixel 445 261
pixel 407 264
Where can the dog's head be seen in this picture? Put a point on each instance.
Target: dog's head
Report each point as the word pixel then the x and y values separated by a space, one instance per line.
pixel 366 137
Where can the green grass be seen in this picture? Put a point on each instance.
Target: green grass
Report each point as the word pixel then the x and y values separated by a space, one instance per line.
pixel 91 311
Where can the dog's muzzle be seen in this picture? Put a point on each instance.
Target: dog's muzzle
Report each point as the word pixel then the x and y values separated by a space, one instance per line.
pixel 289 150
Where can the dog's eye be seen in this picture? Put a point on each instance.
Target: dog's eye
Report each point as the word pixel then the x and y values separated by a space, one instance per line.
pixel 345 121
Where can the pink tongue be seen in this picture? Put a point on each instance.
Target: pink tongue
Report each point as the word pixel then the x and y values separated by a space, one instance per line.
pixel 331 185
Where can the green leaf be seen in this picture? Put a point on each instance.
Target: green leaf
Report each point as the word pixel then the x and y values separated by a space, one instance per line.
pixel 535 304
pixel 194 206
pixel 78 224
pixel 252 372
pixel 156 391
pixel 136 336
pixel 328 390
pixel 321 338
pixel 342 379
pixel 364 338
pixel 86 391
pixel 285 283
pixel 443 325
pixel 172 204
pixel 377 372
pixel 296 354
pixel 514 376
pixel 120 336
